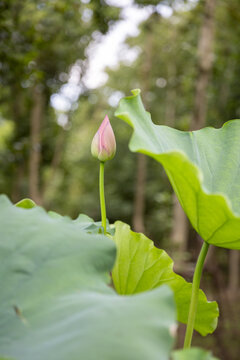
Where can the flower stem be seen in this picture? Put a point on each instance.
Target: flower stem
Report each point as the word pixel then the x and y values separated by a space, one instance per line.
pixel 102 197
pixel 194 297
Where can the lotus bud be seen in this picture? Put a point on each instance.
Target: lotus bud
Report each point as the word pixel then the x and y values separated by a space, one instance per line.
pixel 104 144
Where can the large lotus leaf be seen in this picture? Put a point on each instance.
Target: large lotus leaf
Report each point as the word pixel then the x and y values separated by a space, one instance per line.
pixel 93 227
pixel 141 266
pixel 203 167
pixel 55 301
pixel 192 354
pixel 85 222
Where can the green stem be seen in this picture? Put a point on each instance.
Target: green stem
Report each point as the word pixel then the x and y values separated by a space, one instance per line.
pixel 102 197
pixel 194 297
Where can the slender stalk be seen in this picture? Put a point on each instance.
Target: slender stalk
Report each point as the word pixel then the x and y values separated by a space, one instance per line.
pixel 194 297
pixel 102 197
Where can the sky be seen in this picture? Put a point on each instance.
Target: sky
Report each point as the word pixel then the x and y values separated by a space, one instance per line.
pixel 105 51
pixel 111 48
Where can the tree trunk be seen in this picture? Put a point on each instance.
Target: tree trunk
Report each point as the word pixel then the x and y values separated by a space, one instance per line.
pixel 171 95
pixel 180 227
pixel 139 199
pixel 219 290
pixel 19 168
pixel 16 193
pixel 56 160
pixel 233 275
pixel 205 61
pixel 35 145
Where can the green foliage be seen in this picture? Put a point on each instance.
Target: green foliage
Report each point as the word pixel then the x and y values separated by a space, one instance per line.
pixel 56 302
pixel 192 354
pixel 202 168
pixel 47 31
pixel 140 266
pixel 40 42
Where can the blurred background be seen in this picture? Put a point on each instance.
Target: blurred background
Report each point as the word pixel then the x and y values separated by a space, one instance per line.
pixel 64 65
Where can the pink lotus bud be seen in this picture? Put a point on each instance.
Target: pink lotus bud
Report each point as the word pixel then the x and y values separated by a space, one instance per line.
pixel 104 144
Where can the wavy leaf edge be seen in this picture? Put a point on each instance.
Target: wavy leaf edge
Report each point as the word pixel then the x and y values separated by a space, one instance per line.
pixel 232 215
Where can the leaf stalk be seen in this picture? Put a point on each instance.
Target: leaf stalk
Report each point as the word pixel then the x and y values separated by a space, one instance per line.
pixel 102 197
pixel 194 296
